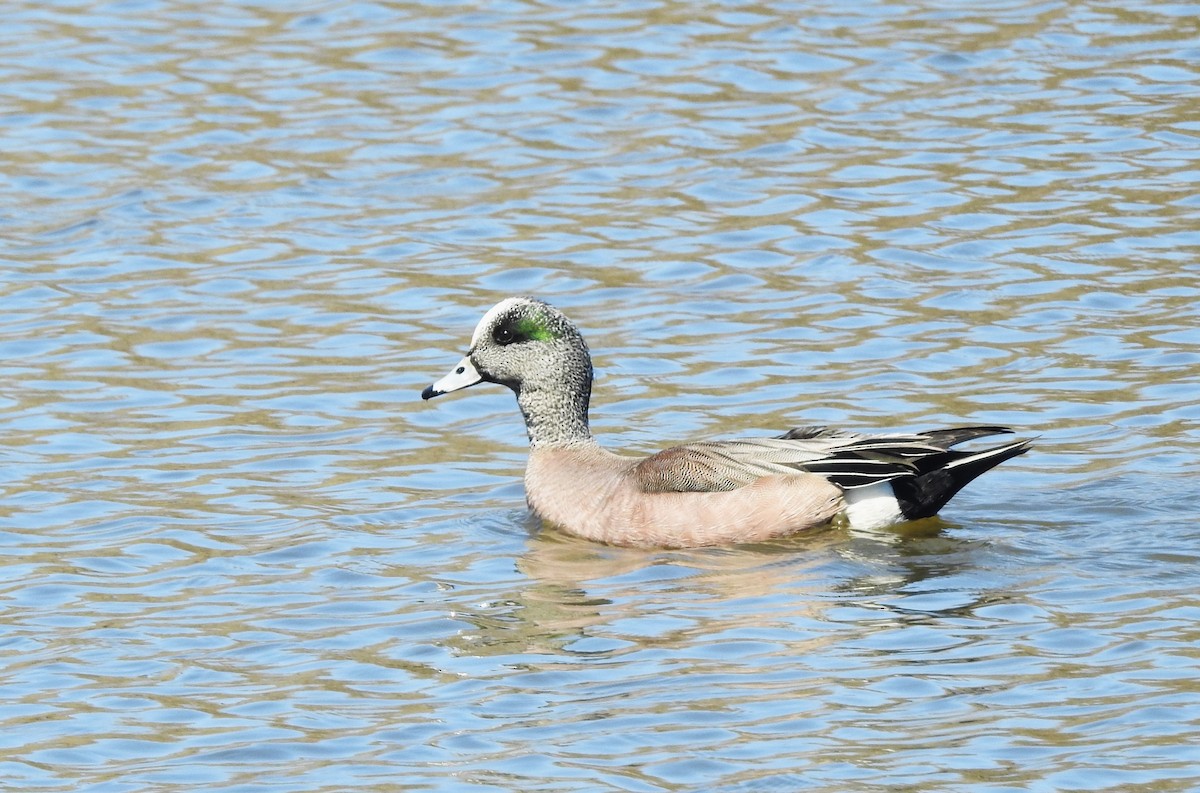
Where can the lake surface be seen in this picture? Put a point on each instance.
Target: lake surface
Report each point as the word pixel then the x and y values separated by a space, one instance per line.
pixel 237 240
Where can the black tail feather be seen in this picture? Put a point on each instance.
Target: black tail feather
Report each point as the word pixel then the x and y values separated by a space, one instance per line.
pixel 943 476
pixel 955 435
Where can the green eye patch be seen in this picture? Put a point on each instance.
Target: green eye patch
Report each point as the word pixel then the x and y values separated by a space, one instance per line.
pixel 534 329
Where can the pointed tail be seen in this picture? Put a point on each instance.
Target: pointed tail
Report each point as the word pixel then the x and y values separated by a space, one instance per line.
pixel 943 475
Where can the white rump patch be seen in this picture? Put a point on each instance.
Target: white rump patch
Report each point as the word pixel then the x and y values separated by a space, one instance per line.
pixel 872 507
pixel 490 317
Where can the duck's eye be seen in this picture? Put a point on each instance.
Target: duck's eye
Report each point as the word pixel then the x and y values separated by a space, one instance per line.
pixel 504 335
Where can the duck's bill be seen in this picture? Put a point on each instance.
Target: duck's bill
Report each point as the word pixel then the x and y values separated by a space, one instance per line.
pixel 461 376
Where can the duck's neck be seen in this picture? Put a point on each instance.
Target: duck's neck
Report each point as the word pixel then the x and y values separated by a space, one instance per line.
pixel 556 417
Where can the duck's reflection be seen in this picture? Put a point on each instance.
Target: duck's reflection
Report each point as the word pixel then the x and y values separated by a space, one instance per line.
pixel 577 594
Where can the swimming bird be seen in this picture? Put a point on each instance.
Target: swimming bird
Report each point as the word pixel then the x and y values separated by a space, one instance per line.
pixel 708 492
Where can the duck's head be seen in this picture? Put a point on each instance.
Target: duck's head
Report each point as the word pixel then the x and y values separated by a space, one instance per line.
pixel 527 345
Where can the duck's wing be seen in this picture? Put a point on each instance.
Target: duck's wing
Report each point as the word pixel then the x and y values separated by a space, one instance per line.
pixel 846 459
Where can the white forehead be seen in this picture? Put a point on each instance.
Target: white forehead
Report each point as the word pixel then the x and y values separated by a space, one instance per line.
pixel 490 317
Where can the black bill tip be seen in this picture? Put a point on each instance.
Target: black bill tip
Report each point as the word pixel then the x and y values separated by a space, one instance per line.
pixel 430 392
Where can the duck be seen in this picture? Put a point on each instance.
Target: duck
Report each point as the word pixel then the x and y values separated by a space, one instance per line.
pixel 704 493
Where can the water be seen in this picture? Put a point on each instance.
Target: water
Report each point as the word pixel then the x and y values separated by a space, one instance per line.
pixel 240 554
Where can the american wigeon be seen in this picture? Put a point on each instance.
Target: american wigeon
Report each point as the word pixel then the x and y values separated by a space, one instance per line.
pixel 706 493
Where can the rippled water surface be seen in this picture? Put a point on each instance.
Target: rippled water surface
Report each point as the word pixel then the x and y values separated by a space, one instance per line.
pixel 239 553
